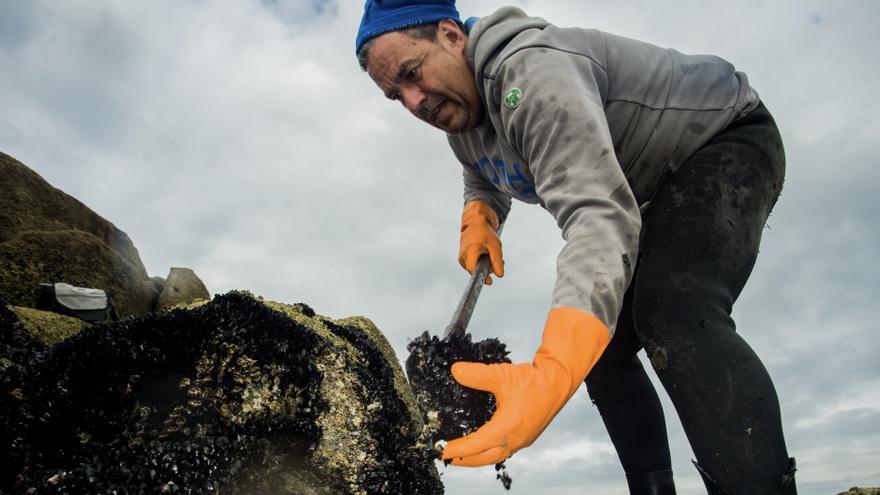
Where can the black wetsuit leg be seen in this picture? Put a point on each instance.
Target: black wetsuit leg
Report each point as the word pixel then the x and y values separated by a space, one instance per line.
pixel 699 243
pixel 620 388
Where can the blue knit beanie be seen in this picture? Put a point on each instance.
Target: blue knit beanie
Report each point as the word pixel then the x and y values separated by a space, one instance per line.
pixel 382 16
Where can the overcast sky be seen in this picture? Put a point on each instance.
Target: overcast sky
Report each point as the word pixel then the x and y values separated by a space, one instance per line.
pixel 240 138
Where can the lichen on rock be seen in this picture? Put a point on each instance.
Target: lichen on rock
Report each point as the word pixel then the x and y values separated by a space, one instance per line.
pixel 235 396
pixel 45 326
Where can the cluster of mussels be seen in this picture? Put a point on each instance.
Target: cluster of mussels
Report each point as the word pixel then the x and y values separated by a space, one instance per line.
pixel 449 409
pixel 223 398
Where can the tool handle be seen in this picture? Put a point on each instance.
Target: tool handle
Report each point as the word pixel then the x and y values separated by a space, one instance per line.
pixel 462 315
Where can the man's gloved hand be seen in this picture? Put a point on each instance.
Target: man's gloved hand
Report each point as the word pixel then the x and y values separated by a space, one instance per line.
pixel 479 224
pixel 528 396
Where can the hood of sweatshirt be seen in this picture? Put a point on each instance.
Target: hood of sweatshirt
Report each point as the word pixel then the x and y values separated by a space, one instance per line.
pixel 493 33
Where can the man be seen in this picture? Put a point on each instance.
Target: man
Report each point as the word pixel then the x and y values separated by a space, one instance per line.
pixel 660 169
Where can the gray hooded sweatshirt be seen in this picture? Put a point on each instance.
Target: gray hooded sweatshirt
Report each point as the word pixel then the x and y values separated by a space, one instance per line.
pixel 587 124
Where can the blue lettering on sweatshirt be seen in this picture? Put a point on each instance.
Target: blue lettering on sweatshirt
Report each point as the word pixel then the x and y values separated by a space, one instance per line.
pixel 496 172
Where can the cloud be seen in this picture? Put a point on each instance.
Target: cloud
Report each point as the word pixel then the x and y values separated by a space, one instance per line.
pixel 298 12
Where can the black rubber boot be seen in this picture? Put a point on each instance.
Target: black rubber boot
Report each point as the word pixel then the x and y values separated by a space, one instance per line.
pixel 653 483
pixel 787 485
pixel 712 487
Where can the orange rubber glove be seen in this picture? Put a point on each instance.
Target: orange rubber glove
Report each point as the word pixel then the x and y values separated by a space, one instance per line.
pixel 528 396
pixel 479 224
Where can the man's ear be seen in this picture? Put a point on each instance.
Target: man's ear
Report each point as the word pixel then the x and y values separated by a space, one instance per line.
pixel 450 34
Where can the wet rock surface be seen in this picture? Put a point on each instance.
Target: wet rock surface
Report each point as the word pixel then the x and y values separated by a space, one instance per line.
pixel 233 396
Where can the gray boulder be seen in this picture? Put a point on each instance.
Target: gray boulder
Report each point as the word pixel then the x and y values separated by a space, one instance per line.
pixel 183 287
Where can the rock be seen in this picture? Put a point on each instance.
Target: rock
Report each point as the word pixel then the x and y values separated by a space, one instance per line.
pixel 74 257
pixel 233 396
pixel 46 326
pixel 861 491
pixel 158 283
pixel 181 287
pixel 48 236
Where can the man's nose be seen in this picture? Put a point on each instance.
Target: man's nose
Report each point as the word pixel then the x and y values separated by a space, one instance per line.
pixel 413 99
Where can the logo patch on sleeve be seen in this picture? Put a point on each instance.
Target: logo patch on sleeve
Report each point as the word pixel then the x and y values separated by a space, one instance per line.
pixel 513 98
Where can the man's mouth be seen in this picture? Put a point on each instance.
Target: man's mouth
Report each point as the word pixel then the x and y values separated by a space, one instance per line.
pixel 435 113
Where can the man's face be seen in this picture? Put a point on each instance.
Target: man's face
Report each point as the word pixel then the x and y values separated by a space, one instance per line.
pixel 432 79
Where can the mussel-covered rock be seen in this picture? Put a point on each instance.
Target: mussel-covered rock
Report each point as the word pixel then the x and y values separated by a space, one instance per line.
pixel 233 396
pixel 449 409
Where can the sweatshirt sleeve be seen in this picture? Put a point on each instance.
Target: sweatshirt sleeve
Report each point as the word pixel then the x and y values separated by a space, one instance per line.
pixel 478 187
pixel 559 127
